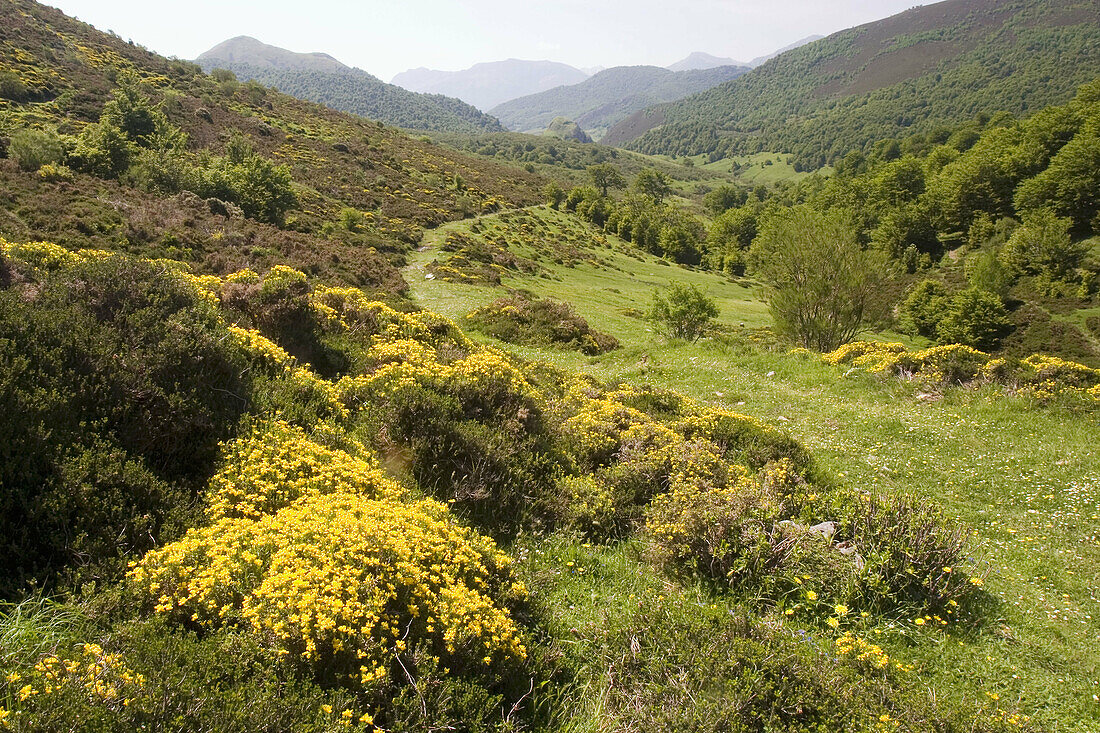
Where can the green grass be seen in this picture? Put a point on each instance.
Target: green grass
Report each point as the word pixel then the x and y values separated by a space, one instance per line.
pixel 755 169
pixel 1025 478
pixel 607 295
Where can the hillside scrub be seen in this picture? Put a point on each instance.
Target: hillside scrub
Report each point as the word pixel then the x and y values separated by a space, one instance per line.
pixel 494 442
pixel 540 323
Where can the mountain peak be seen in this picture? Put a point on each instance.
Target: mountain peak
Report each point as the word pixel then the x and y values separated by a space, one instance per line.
pixel 700 60
pixel 251 51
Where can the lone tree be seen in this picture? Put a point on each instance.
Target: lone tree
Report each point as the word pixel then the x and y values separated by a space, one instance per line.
pixel 652 183
pixel 819 280
pixel 605 176
pixel 683 311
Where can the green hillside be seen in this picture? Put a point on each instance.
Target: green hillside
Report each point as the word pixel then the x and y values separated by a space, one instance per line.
pixel 602 100
pixel 311 425
pixel 62 73
pixel 322 79
pixel 929 66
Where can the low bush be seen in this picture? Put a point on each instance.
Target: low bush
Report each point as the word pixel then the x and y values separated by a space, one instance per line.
pixel 1039 376
pixel 540 323
pixel 121 380
pixel 32 149
pixel 683 311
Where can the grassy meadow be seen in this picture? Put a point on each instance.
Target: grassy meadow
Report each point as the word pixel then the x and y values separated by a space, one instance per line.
pixel 1023 478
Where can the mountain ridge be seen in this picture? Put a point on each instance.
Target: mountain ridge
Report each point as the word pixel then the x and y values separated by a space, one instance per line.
pixel 600 101
pixel 488 84
pixel 930 65
pixel 319 77
pixel 702 60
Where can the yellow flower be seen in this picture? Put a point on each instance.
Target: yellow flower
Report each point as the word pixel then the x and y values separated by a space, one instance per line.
pixel 841 609
pixel 918 621
pixel 976 581
pixel 833 622
pixel 811 595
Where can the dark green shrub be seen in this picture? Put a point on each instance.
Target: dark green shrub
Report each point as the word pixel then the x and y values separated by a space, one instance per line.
pixel 485 453
pixel 974 317
pixel 540 322
pixel 916 561
pixel 121 382
pixel 32 149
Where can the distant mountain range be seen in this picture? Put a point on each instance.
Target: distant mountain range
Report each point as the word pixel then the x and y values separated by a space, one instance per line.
pixel 700 60
pixel 318 77
pixel 488 84
pixel 602 100
pixel 930 66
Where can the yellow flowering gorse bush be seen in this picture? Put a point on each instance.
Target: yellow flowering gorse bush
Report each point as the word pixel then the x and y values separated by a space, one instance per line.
pixel 1039 376
pixel 314 548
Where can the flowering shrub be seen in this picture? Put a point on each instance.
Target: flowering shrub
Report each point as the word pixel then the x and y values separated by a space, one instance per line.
pixel 720 531
pixel 1039 376
pixel 347 583
pixel 941 365
pixel 313 547
pixel 278 463
pixel 87 676
pixel 853 647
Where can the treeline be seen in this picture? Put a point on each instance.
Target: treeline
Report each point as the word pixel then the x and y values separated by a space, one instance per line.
pixel 809 102
pixel 359 93
pixel 1013 201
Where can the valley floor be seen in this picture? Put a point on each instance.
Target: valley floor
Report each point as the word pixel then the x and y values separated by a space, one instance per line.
pixel 1024 478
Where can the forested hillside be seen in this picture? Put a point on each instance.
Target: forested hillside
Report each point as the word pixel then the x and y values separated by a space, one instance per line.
pixel 602 100
pixel 322 79
pixel 932 65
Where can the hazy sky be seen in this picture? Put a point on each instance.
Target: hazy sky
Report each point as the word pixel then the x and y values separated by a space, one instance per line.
pixel 387 37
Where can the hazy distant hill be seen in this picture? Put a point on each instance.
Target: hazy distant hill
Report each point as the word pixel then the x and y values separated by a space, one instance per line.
pixel 609 96
pixel 759 60
pixel 248 50
pixel 489 84
pixel 318 77
pixel 928 66
pixel 700 60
